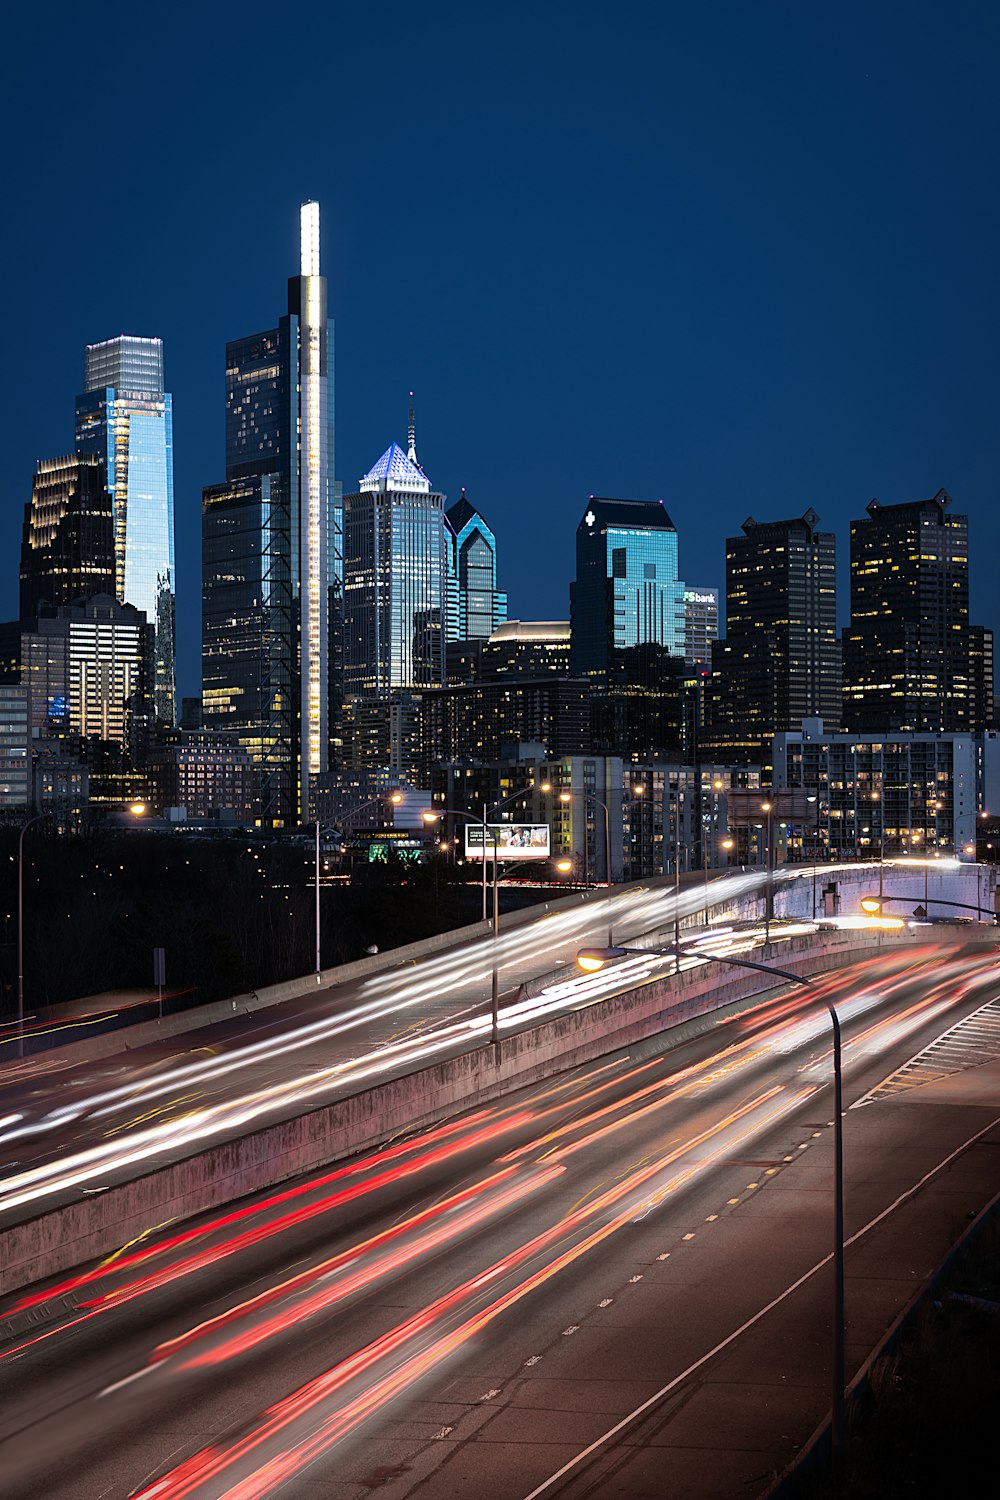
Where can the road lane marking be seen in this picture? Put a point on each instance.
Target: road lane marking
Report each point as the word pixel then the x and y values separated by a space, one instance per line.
pixel 651 1401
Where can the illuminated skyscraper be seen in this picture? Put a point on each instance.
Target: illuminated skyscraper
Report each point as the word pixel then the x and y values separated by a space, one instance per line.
pixel 272 565
pixel 67 546
pixel 475 605
pixel 701 625
pixel 626 592
pixel 395 579
pixel 125 418
pixel 627 627
pixel 780 660
pixel 911 660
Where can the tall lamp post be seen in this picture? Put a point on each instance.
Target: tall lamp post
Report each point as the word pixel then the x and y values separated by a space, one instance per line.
pixel 395 798
pixel 137 809
pixel 459 812
pixel 717 786
pixel 766 807
pixel 589 797
pixel 590 960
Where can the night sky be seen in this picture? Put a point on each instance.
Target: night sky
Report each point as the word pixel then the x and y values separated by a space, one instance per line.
pixel 743 258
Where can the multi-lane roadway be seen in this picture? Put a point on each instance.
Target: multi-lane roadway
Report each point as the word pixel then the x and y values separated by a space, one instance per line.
pixel 523 1301
pixel 68 1128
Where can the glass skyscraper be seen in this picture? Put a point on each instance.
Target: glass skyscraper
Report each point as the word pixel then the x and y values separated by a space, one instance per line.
pixel 272 550
pixel 627 628
pixel 395 579
pixel 67 547
pixel 627 592
pixel 476 607
pixel 125 418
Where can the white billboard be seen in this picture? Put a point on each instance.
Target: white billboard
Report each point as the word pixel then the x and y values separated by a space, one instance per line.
pixel 509 840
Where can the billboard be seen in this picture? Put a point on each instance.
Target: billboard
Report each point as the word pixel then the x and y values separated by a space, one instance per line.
pixel 512 840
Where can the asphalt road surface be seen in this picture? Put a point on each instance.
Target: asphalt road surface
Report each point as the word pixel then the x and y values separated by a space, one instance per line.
pixel 467 1311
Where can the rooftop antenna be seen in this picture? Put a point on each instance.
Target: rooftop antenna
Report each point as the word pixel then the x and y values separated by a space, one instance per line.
pixel 411 451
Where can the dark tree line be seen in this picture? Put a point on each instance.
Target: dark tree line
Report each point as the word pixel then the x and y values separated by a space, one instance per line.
pixel 233 915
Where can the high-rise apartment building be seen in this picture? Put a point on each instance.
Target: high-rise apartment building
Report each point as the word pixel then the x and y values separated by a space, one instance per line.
pixel 124 417
pixel 67 545
pixel 909 659
pixel 395 580
pixel 890 792
pixel 271 549
pixel 780 660
pixel 475 605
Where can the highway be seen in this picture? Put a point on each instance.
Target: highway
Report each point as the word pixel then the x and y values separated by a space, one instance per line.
pixel 465 1311
pixel 67 1129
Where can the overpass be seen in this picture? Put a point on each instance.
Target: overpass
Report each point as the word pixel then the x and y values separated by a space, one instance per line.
pixel 283 1082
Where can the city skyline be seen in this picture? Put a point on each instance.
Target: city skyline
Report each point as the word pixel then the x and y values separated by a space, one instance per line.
pixel 800 317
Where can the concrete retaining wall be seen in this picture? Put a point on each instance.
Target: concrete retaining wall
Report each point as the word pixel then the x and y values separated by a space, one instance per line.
pixel 94 1226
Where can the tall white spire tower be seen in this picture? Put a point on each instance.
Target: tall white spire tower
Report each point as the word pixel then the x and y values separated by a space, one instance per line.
pixel 307 299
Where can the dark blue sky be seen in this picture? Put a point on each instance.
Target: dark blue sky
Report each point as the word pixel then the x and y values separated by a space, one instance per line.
pixel 741 257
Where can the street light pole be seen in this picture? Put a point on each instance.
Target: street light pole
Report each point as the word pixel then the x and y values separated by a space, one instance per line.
pixel 318 963
pixel 593 959
pixel 768 888
pixel 20 931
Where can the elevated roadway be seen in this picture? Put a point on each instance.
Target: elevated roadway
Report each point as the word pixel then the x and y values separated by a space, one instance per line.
pixel 219 1098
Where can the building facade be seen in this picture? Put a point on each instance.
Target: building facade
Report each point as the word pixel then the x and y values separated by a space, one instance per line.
pixel 892 793
pixel 627 622
pixel 476 607
pixel 477 720
pixel 206 772
pixel 626 592
pixel 701 625
pixel 526 648
pixel 272 550
pixel 15 748
pixel 67 544
pixel 909 659
pixel 780 660
pixel 88 671
pixel 124 417
pixel 395 580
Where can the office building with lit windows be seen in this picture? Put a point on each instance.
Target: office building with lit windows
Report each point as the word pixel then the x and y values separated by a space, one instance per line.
pixel 701 625
pixel 15 747
pixel 395 580
pixel 88 671
pixel 476 607
pixel 526 648
pixel 910 661
pixel 124 417
pixel 780 660
pixel 272 550
pixel 67 545
pixel 627 623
